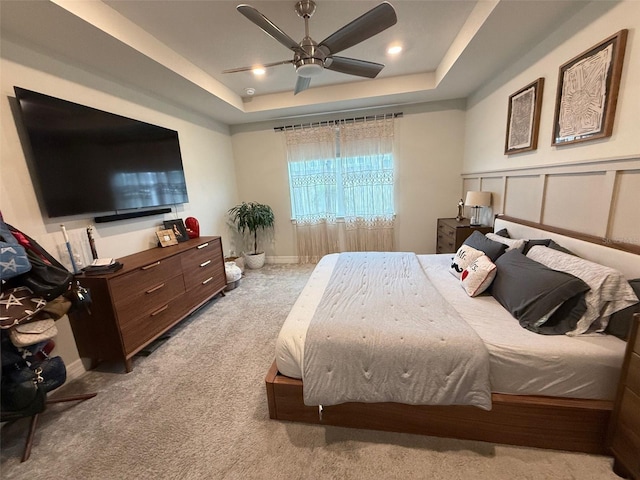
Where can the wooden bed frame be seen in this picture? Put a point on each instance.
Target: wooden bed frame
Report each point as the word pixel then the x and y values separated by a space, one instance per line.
pixel 533 421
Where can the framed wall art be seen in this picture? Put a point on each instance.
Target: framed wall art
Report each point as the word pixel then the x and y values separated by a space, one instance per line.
pixel 179 229
pixel 523 118
pixel 588 92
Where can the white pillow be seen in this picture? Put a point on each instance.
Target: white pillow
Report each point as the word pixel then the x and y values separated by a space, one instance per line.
pixel 477 277
pixel 609 293
pixel 511 243
pixel 464 257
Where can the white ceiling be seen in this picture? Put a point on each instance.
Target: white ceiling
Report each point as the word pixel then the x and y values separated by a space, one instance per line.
pixel 177 49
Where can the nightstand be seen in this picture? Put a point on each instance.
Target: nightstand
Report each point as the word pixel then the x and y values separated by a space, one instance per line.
pixel 624 431
pixel 452 233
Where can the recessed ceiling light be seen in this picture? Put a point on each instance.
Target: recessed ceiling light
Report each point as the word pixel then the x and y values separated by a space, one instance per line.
pixel 258 71
pixel 250 91
pixel 394 50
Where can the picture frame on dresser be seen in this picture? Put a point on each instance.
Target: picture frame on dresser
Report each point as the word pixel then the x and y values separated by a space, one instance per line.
pixel 178 227
pixel 587 92
pixel 166 237
pixel 523 118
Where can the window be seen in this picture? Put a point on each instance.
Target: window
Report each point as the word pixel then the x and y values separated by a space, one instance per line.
pixel 342 186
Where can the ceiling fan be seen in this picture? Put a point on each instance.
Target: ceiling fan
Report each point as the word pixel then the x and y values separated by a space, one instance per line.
pixel 311 58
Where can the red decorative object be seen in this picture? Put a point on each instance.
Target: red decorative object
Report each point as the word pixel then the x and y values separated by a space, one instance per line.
pixel 193 227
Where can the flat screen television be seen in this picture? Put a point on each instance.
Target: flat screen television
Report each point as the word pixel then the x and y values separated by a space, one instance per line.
pixel 88 161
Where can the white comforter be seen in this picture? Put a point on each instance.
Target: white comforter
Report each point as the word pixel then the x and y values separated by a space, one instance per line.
pixel 383 333
pixel 521 362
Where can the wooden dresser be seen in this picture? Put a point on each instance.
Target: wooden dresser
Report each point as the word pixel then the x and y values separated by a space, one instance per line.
pixel 452 233
pixel 154 291
pixel 624 432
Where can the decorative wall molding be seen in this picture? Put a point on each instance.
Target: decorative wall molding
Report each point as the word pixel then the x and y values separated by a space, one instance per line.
pixel 599 198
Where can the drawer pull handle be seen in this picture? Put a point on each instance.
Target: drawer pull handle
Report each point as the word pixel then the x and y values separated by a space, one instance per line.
pixel 160 310
pixel 147 267
pixel 205 263
pixel 207 280
pixel 203 245
pixel 157 287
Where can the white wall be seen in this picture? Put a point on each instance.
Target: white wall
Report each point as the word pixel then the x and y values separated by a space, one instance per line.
pixel 206 153
pixel 429 155
pixel 487 109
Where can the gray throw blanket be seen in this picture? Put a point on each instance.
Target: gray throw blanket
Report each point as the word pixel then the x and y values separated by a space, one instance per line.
pixel 383 333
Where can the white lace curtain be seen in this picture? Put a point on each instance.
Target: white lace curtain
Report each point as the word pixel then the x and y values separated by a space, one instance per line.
pixel 368 184
pixel 313 183
pixel 350 178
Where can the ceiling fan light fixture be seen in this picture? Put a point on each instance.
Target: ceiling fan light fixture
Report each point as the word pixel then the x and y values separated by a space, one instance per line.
pixel 309 67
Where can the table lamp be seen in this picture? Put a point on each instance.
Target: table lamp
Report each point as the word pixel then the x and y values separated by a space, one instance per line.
pixel 477 200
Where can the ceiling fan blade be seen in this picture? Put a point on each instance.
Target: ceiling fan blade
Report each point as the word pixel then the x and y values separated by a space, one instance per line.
pixel 266 65
pixel 371 23
pixel 302 84
pixel 268 26
pixel 353 66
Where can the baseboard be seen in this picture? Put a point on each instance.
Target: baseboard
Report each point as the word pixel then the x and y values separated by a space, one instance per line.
pixel 75 370
pixel 282 259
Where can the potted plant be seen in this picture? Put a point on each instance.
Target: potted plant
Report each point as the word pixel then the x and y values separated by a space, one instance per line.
pixel 252 216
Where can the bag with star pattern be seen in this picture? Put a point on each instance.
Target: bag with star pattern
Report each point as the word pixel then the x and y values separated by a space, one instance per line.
pixel 19 305
pixel 13 257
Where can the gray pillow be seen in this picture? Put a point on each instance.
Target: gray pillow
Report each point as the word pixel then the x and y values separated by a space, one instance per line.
pixel 532 243
pixel 530 291
pixel 620 322
pixel 560 248
pixel 490 248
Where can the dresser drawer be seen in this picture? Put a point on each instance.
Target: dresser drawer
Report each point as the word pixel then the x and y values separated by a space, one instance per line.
pixel 130 308
pixel 201 264
pixel 630 411
pixel 446 231
pixel 144 278
pixel 633 377
pixel 626 447
pixel 207 288
pixel 151 324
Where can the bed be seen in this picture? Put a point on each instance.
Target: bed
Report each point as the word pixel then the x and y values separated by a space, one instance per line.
pixel 548 391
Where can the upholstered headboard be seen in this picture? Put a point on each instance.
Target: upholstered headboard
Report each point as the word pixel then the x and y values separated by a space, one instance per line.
pixel 623 257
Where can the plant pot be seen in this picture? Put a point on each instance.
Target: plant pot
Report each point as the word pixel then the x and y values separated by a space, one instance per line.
pixel 254 260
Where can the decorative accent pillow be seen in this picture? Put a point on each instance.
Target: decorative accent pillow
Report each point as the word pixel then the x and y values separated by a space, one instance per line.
pixel 490 248
pixel 511 243
pixel 529 291
pixel 477 277
pixel 464 257
pixel 503 233
pixel 609 290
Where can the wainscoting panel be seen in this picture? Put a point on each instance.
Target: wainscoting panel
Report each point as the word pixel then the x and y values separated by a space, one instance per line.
pixel 599 198
pixel 523 197
pixel 625 215
pixel 578 202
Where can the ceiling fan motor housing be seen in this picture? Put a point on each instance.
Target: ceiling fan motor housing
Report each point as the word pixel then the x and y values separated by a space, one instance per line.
pixel 311 63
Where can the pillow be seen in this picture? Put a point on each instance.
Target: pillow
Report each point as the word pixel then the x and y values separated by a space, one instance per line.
pixel 511 243
pixel 609 290
pixel 490 248
pixel 464 257
pixel 560 248
pixel 503 233
pixel 532 243
pixel 620 322
pixel 477 277
pixel 530 291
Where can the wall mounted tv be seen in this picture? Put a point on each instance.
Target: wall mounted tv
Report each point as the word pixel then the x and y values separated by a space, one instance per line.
pixel 87 161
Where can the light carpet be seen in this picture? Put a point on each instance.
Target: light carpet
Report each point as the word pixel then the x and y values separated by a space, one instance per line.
pixel 196 408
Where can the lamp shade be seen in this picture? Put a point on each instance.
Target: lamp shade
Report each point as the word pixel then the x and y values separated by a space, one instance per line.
pixel 478 199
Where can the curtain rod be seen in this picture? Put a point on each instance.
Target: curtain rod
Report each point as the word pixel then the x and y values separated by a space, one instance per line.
pixel 337 122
